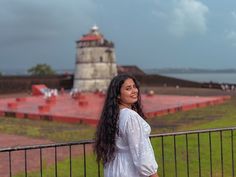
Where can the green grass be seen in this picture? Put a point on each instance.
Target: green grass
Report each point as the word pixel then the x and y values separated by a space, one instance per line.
pixel 218 116
pixel 193 155
pixel 57 132
pixel 63 168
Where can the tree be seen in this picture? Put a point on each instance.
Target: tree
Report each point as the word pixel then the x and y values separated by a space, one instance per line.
pixel 41 70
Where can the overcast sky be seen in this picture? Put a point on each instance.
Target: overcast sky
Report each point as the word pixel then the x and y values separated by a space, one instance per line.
pixel 146 33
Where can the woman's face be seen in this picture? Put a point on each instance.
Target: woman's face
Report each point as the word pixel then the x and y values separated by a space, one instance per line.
pixel 128 93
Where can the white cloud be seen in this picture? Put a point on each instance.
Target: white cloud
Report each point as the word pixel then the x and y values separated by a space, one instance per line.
pixel 231 36
pixel 233 13
pixel 189 16
pixel 160 10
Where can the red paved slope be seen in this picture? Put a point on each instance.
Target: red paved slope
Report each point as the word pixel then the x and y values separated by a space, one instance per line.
pixel 87 106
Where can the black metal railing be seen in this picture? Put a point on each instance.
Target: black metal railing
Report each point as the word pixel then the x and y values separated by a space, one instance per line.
pixel 202 153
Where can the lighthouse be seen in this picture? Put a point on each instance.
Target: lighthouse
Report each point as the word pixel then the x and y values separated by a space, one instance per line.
pixel 95 62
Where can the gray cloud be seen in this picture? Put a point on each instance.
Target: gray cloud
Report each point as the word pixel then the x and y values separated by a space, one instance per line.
pixel 189 16
pixel 41 31
pixel 45 31
pixel 27 21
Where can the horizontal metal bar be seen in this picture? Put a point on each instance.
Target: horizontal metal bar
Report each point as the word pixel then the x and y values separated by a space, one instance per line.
pixel 19 148
pixel 83 142
pixel 192 132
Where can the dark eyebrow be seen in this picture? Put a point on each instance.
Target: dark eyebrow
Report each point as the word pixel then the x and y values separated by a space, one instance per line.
pixel 134 85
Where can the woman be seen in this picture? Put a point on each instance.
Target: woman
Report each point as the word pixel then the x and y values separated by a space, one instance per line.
pixel 122 139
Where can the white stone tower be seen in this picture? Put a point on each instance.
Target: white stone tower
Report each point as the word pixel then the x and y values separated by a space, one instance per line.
pixel 95 62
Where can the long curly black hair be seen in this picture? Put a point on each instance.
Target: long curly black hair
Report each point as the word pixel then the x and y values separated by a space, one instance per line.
pixel 108 127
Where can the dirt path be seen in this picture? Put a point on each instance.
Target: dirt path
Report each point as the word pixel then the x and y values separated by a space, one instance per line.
pixel 33 156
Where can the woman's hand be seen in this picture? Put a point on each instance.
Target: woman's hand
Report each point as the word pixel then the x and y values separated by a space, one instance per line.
pixel 154 175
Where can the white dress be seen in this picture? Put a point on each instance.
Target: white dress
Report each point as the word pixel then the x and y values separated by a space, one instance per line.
pixel 134 156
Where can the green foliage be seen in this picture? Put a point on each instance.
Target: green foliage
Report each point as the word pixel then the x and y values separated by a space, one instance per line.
pixel 41 70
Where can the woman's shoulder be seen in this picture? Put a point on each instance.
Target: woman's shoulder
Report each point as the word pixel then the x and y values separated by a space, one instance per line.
pixel 127 116
pixel 128 112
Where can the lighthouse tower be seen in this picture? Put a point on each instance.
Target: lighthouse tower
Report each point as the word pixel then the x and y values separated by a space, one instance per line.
pixel 95 62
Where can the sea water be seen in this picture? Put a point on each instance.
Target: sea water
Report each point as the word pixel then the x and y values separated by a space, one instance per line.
pixel 206 77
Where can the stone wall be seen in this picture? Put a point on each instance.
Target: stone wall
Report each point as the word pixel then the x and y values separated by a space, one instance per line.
pixel 15 84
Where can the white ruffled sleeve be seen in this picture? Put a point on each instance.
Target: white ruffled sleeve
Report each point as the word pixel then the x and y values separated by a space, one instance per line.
pixel 140 145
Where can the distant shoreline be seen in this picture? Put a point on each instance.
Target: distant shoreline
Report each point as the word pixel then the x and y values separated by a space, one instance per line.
pixel 147 71
pixel 189 71
pixel 204 77
pixel 210 72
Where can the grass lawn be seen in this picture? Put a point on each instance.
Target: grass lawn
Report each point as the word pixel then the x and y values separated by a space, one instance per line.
pixel 218 116
pixel 57 132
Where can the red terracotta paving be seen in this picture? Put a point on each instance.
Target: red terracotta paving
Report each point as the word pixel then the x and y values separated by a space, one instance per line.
pixel 87 107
